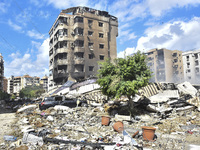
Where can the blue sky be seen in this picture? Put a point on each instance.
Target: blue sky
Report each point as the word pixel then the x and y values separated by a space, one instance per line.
pixel 143 25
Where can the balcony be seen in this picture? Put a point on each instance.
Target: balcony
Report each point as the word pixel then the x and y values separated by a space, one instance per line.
pixel 79 49
pixel 79 61
pixel 60 50
pixel 57 75
pixel 60 62
pixel 78 37
pixel 78 24
pixel 63 38
pixel 78 74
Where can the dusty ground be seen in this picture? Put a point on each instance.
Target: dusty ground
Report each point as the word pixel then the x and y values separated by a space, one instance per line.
pixel 7 118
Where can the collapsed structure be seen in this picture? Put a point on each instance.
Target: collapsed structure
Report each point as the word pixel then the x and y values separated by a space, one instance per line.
pixel 79 39
pixel 157 106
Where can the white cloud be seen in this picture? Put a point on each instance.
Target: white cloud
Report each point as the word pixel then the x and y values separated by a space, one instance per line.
pixel 35 34
pixel 4 7
pixel 158 7
pixel 23 64
pixel 36 3
pixel 126 52
pixel 60 4
pixel 172 35
pixel 14 26
pixel 24 17
pixel 44 14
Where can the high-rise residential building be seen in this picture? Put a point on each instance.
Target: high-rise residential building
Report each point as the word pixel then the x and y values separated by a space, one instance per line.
pixel 166 65
pixel 1 72
pixel 80 38
pixel 191 64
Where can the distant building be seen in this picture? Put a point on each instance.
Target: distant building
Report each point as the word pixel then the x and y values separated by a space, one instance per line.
pixel 26 81
pixel 44 83
pixel 79 39
pixel 191 64
pixel 36 81
pixel 166 65
pixel 1 72
pixel 5 84
pixel 15 84
pixel 10 85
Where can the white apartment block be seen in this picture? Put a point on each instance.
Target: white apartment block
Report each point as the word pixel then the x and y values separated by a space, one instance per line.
pixel 191 65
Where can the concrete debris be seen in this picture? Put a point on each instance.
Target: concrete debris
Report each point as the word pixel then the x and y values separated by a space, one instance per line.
pixel 26 108
pixel 187 88
pixel 172 111
pixel 164 96
pixel 30 138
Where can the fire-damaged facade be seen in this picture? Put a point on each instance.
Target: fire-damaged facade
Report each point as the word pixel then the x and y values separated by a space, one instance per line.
pixel 79 39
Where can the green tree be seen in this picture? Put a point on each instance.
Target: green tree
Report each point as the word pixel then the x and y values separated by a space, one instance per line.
pixel 31 91
pixel 124 77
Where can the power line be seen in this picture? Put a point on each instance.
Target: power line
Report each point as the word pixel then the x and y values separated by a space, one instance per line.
pixel 28 18
pixel 6 41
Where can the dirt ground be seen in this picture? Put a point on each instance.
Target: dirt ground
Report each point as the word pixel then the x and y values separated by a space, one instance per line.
pixel 7 118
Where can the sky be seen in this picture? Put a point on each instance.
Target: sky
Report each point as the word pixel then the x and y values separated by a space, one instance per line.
pixel 143 25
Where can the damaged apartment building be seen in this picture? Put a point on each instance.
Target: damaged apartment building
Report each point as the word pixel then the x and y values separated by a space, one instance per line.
pixel 166 65
pixel 1 72
pixel 191 64
pixel 80 38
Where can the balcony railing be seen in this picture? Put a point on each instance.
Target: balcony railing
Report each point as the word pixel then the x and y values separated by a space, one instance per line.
pixel 79 60
pixel 61 62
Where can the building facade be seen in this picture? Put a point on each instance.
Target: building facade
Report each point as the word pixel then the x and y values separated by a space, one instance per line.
pixel 166 65
pixel 191 64
pixel 44 83
pixel 1 72
pixel 10 83
pixel 79 39
pixel 5 84
pixel 15 84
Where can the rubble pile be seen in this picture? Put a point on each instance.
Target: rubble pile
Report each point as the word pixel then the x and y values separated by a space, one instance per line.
pixel 171 116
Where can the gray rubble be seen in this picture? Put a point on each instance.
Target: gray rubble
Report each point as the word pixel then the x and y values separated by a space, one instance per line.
pixel 173 112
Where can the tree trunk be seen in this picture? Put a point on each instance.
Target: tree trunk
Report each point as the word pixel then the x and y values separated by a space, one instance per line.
pixel 130 105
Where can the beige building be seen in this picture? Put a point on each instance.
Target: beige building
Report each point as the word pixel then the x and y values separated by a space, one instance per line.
pixel 191 64
pixel 15 84
pixel 79 39
pixel 1 72
pixel 166 65
pixel 44 83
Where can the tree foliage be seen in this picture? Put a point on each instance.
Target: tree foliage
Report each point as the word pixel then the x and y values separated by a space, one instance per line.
pixel 4 95
pixel 124 76
pixel 31 91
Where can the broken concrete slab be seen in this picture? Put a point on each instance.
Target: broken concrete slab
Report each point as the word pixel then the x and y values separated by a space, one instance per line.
pixel 164 96
pixel 122 117
pixel 26 108
pixel 187 88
